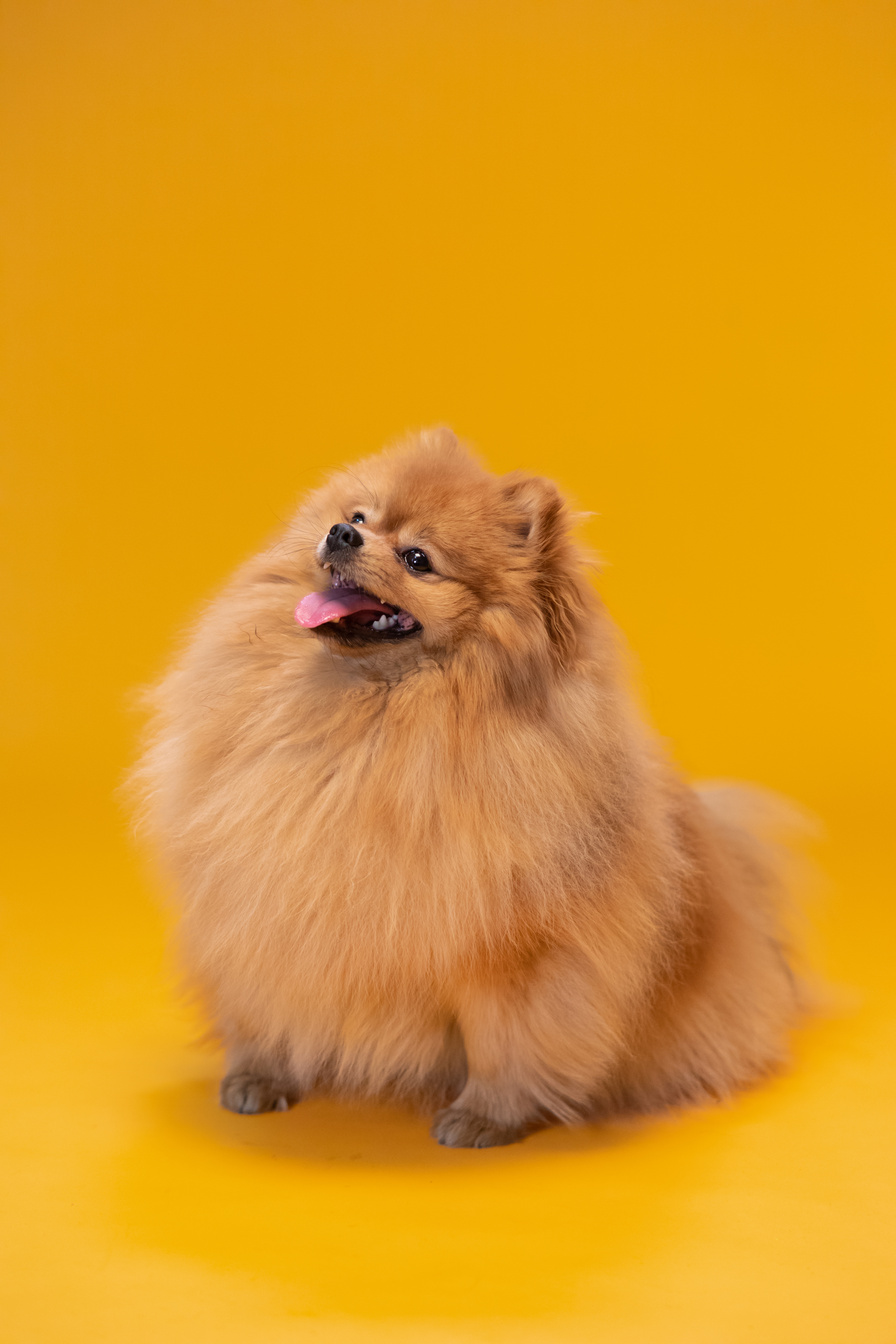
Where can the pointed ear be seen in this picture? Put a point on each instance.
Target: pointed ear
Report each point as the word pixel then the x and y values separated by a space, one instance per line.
pixel 542 519
pixel 439 436
pixel 538 503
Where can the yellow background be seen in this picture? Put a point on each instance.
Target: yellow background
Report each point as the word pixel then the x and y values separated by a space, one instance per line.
pixel 645 246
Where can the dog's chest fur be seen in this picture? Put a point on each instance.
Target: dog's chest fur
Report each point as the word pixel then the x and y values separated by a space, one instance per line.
pixel 339 832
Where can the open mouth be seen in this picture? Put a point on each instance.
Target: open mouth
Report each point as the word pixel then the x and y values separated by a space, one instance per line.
pixel 354 616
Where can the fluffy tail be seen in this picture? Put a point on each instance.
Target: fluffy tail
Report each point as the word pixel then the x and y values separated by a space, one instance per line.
pixel 773 834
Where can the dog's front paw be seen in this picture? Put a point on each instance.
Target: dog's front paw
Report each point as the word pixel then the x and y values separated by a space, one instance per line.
pixel 253 1093
pixel 456 1127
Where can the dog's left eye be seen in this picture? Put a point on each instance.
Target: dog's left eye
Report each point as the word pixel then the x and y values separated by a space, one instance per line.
pixel 356 518
pixel 417 560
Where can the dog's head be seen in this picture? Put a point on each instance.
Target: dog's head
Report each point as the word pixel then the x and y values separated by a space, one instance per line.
pixel 420 548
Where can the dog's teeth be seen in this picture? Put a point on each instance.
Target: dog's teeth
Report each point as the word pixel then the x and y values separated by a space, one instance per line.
pixel 388 621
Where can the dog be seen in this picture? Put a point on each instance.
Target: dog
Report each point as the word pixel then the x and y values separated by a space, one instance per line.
pixel 423 845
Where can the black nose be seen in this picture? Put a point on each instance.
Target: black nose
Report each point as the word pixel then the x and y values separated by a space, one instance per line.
pixel 342 535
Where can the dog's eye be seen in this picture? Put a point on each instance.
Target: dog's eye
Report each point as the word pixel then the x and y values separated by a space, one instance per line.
pixel 356 518
pixel 417 560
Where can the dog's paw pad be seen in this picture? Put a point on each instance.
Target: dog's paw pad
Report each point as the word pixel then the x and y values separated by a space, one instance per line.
pixel 459 1128
pixel 253 1094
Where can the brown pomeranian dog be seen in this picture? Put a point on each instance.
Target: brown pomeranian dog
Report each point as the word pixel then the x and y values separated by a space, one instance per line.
pixel 423 844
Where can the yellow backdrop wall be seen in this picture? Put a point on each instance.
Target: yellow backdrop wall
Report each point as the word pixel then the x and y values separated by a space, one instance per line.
pixel 645 247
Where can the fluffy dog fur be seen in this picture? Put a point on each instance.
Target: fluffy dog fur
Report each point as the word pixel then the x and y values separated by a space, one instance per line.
pixel 451 863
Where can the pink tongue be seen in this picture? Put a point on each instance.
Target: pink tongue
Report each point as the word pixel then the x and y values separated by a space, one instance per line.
pixel 318 608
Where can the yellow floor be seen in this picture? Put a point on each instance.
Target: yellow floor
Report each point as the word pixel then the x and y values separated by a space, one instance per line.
pixel 645 247
pixel 138 1210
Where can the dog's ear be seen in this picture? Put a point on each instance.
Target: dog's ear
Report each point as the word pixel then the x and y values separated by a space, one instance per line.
pixel 539 516
pixel 439 436
pixel 536 504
